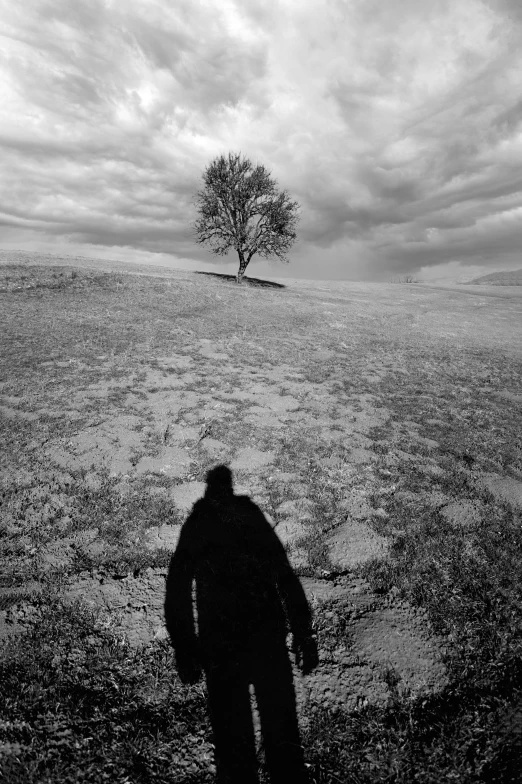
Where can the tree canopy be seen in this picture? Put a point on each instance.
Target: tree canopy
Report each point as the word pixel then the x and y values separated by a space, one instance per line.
pixel 241 207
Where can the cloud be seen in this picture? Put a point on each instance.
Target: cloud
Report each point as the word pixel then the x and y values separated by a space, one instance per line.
pixel 397 126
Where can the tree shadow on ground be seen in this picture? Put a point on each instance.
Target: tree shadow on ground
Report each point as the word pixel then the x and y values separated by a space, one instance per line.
pixel 247 598
pixel 255 282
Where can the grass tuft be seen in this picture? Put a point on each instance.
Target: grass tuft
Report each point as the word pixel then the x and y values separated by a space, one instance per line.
pixel 83 706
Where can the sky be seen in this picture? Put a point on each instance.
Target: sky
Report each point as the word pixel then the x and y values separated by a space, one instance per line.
pixel 396 125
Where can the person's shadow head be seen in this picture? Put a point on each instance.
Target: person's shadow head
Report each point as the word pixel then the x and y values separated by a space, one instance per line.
pixel 219 483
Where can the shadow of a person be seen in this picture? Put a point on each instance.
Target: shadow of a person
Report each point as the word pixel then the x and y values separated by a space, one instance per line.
pixel 246 600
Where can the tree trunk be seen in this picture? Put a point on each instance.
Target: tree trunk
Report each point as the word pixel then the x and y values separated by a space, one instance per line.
pixel 243 263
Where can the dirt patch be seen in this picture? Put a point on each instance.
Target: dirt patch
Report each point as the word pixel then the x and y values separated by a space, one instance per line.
pixel 464 514
pixel 208 350
pixel 397 639
pixel 344 686
pixel 300 508
pixel 172 461
pixel 135 605
pixel 263 399
pixel 356 506
pixel 162 537
pixel 355 543
pixel 175 362
pixel 436 499
pixel 511 396
pixel 161 380
pixel 323 590
pixel 16 413
pixel 184 496
pixel 107 445
pixel 361 456
pixel 214 447
pixel 429 443
pixel 179 434
pixel 503 488
pixel 289 531
pixel 166 404
pixel 114 444
pixel 250 460
pixel 263 418
pixel 388 650
pixel 58 554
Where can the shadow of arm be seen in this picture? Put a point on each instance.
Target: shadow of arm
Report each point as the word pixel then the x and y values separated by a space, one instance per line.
pixel 179 610
pixel 298 613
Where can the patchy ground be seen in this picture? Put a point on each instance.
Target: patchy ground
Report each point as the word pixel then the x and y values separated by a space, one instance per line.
pixel 335 411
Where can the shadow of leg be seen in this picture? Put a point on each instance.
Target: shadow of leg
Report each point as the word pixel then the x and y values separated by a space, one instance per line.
pixel 232 724
pixel 275 697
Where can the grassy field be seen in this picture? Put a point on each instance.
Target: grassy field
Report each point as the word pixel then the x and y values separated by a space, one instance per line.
pixel 378 426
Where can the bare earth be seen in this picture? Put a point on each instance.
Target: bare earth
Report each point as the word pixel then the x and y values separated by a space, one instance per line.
pixel 278 384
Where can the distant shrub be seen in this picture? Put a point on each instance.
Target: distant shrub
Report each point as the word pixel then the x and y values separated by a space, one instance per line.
pixel 404 279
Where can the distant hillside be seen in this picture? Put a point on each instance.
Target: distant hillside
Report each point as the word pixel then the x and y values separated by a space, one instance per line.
pixel 32 257
pixel 506 278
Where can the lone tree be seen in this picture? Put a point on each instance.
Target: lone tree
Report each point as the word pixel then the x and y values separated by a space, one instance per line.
pixel 241 207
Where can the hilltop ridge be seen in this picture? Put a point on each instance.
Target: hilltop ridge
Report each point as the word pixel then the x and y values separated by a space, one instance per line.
pixel 503 278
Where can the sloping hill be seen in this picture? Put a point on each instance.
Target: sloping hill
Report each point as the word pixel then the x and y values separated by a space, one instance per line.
pixel 505 278
pixel 31 258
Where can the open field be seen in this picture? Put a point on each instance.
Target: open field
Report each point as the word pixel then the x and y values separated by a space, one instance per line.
pixel 378 426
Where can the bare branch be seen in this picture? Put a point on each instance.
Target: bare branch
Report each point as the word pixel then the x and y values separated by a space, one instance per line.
pixel 241 207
